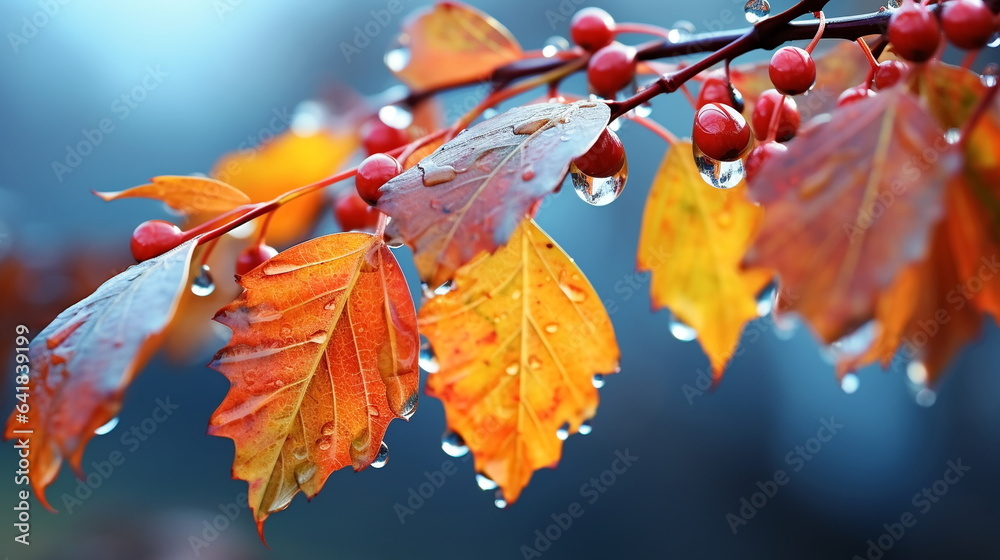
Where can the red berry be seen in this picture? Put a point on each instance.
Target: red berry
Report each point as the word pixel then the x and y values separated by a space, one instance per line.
pixel 720 132
pixel 853 94
pixel 716 88
pixel 968 24
pixel 153 238
pixel 914 32
pixel 353 213
pixel 889 73
pixel 592 28
pixel 761 154
pixel 610 69
pixel 605 158
pixel 375 171
pixel 763 112
pixel 792 70
pixel 378 137
pixel 252 257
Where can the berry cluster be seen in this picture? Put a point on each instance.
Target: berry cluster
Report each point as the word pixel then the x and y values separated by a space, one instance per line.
pixel 915 32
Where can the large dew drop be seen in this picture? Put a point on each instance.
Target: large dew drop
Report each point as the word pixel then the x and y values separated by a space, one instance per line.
pixel 383 456
pixel 599 191
pixel 106 428
pixel 850 383
pixel 453 444
pixel 681 330
pixel 756 10
pixel 719 174
pixel 203 285
pixel 485 482
pixel 563 432
pixel 598 381
pixel 427 360
pixel 499 501
pixel 585 428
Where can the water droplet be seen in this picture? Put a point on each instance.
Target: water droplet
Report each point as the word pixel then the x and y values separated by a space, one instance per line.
pixel 926 397
pixel 324 443
pixel 435 174
pixel 552 328
pixel 892 4
pixel 574 293
pixel 680 31
pixel 766 299
pixel 485 482
pixel 644 110
pixel 534 362
pixel 994 41
pixel 953 135
pixel 409 407
pixel 394 242
pixel 203 284
pixel 328 429
pixel 530 127
pixel 300 453
pixel 756 10
pixel 850 383
pixel 916 373
pixel 599 191
pixel 718 174
pixel 444 288
pixel 373 411
pixel 553 45
pixel 585 428
pixel 305 472
pixel 681 330
pixel 383 456
pixel 563 432
pixel 512 369
pixel 427 360
pixel 395 116
pixel 106 428
pixel 989 76
pixel 453 444
pixel 397 59
pixel 498 500
pixel 598 381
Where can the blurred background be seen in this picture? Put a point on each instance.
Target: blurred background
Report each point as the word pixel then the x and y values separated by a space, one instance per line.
pixel 222 71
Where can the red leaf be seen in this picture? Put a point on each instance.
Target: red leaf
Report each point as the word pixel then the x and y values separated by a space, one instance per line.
pixel 469 195
pixel 84 360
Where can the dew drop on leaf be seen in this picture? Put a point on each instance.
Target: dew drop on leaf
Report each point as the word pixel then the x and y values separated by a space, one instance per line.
pixel 305 472
pixel 106 428
pixel 435 174
pixel 453 444
pixel 499 501
pixel 681 330
pixel 409 407
pixel 383 456
pixel 718 174
pixel 327 429
pixel 598 381
pixel 599 191
pixel 512 369
pixel 575 294
pixel 552 328
pixel 916 373
pixel 756 10
pixel 585 428
pixel 300 453
pixel 850 383
pixel 372 411
pixel 203 285
pixel 444 288
pixel 485 482
pixel 765 300
pixel 892 4
pixel 563 432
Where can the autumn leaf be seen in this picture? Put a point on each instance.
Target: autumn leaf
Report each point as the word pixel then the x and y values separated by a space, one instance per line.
pixel 450 43
pixel 518 341
pixel 469 195
pixel 288 161
pixel 692 241
pixel 191 196
pixel 84 360
pixel 323 355
pixel 850 204
pixel 838 68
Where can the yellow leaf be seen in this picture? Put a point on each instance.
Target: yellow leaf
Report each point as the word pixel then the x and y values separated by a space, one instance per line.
pixel 518 341
pixel 692 240
pixel 192 196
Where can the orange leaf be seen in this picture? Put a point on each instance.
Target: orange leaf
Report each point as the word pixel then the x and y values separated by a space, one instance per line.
pixel 84 360
pixel 450 43
pixel 323 356
pixel 518 341
pixel 850 204
pixel 469 195
pixel 692 240
pixel 282 164
pixel 191 196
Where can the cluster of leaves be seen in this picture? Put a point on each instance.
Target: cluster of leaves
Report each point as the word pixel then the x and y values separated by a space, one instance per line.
pixel 874 213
